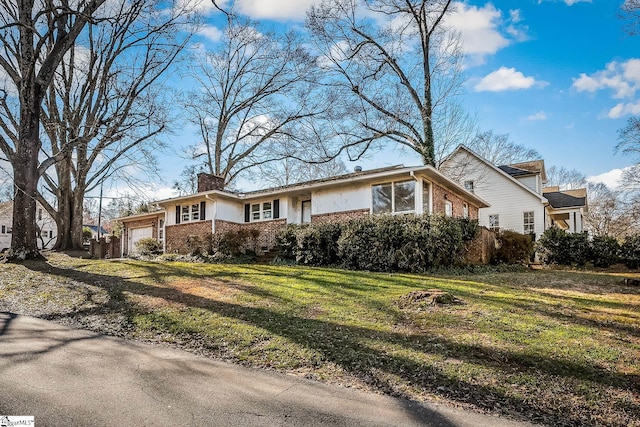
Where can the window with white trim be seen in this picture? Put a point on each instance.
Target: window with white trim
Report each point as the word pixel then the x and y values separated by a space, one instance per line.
pixel 190 212
pixel 465 210
pixel 529 224
pixel 494 222
pixel 161 230
pixel 393 197
pixel 468 185
pixel 261 211
pixel 448 208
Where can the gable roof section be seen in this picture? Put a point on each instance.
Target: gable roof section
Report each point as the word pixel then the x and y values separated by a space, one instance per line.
pixel 513 171
pixel 463 147
pixel 562 199
pixel 94 228
pixel 393 172
pixel 6 208
pixel 534 166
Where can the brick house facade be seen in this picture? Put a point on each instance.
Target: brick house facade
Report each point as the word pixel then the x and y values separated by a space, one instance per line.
pixel 213 210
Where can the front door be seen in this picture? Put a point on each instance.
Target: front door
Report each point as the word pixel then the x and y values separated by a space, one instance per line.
pixel 306 211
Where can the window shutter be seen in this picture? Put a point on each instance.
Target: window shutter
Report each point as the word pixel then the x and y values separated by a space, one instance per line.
pixel 276 208
pixel 247 212
pixel 177 214
pixel 202 208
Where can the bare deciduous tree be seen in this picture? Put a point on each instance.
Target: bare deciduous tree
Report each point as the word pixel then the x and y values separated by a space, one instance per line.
pixel 34 37
pixel 255 100
pixel 610 213
pixel 395 67
pixel 500 150
pixel 564 178
pixel 106 106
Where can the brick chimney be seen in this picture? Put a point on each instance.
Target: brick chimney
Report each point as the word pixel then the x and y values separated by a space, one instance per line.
pixel 208 182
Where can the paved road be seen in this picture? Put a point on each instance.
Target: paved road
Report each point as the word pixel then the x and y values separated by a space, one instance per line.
pixel 67 377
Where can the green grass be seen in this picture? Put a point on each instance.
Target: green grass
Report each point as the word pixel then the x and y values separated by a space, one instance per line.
pixel 557 347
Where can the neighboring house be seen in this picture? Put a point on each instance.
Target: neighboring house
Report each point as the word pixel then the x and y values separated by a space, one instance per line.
pixel 46 227
pixel 393 190
pixel 95 229
pixel 516 193
pixel 566 208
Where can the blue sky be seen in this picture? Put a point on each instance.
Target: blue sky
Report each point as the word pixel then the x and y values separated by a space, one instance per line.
pixel 560 76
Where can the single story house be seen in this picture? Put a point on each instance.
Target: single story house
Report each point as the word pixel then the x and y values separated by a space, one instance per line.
pixel 391 190
pixel 516 193
pixel 46 227
pixel 96 231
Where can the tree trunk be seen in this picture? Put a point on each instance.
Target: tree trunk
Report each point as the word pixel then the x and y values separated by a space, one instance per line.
pixel 77 217
pixel 24 243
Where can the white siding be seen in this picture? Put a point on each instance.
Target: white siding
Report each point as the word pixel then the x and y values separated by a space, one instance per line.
pixel 341 199
pixel 531 182
pixel 507 199
pixel 228 210
pixel 210 209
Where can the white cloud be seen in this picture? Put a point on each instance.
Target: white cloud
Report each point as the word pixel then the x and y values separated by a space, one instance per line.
pixel 623 109
pixel 568 2
pixel 479 30
pixel 506 79
pixel 623 78
pixel 210 32
pixel 540 115
pixel 276 9
pixel 7 84
pixel 611 179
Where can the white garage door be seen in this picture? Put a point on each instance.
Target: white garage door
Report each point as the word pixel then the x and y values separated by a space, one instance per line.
pixel 137 234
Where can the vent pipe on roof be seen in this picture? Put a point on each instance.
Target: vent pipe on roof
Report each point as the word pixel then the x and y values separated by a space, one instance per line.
pixel 357 169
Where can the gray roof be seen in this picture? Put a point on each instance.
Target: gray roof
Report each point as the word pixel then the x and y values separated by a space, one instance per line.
pixel 331 178
pixel 558 200
pixel 515 171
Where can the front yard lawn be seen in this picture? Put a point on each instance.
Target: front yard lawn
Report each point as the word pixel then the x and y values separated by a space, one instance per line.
pixel 556 347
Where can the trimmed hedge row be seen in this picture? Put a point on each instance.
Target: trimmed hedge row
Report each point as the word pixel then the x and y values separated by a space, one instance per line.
pixel 559 247
pixel 379 243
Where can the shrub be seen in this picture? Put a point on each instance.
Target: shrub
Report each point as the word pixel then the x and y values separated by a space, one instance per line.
pixel 402 243
pixel 630 251
pixel 232 243
pixel 194 244
pixel 514 247
pixel 86 234
pixel 317 244
pixel 287 241
pixel 148 246
pixel 559 247
pixel 605 251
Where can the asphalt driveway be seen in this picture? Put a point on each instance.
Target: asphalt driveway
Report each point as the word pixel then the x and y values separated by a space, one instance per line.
pixel 73 377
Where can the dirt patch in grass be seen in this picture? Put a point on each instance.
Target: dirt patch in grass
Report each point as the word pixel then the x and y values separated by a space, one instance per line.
pixel 553 347
pixel 421 299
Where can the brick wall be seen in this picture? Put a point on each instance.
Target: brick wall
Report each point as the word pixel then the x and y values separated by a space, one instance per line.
pixel 339 216
pixel 441 195
pixel 207 182
pixel 146 222
pixel 176 235
pixel 482 249
pixel 267 232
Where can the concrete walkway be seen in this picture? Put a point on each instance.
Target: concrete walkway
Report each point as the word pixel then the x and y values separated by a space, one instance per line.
pixel 67 377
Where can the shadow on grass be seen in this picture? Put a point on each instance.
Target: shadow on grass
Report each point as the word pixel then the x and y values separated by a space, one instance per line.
pixel 346 346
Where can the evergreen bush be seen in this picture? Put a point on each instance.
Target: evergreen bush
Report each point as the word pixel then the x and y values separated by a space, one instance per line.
pixel 148 246
pixel 514 248
pixel 630 251
pixel 605 251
